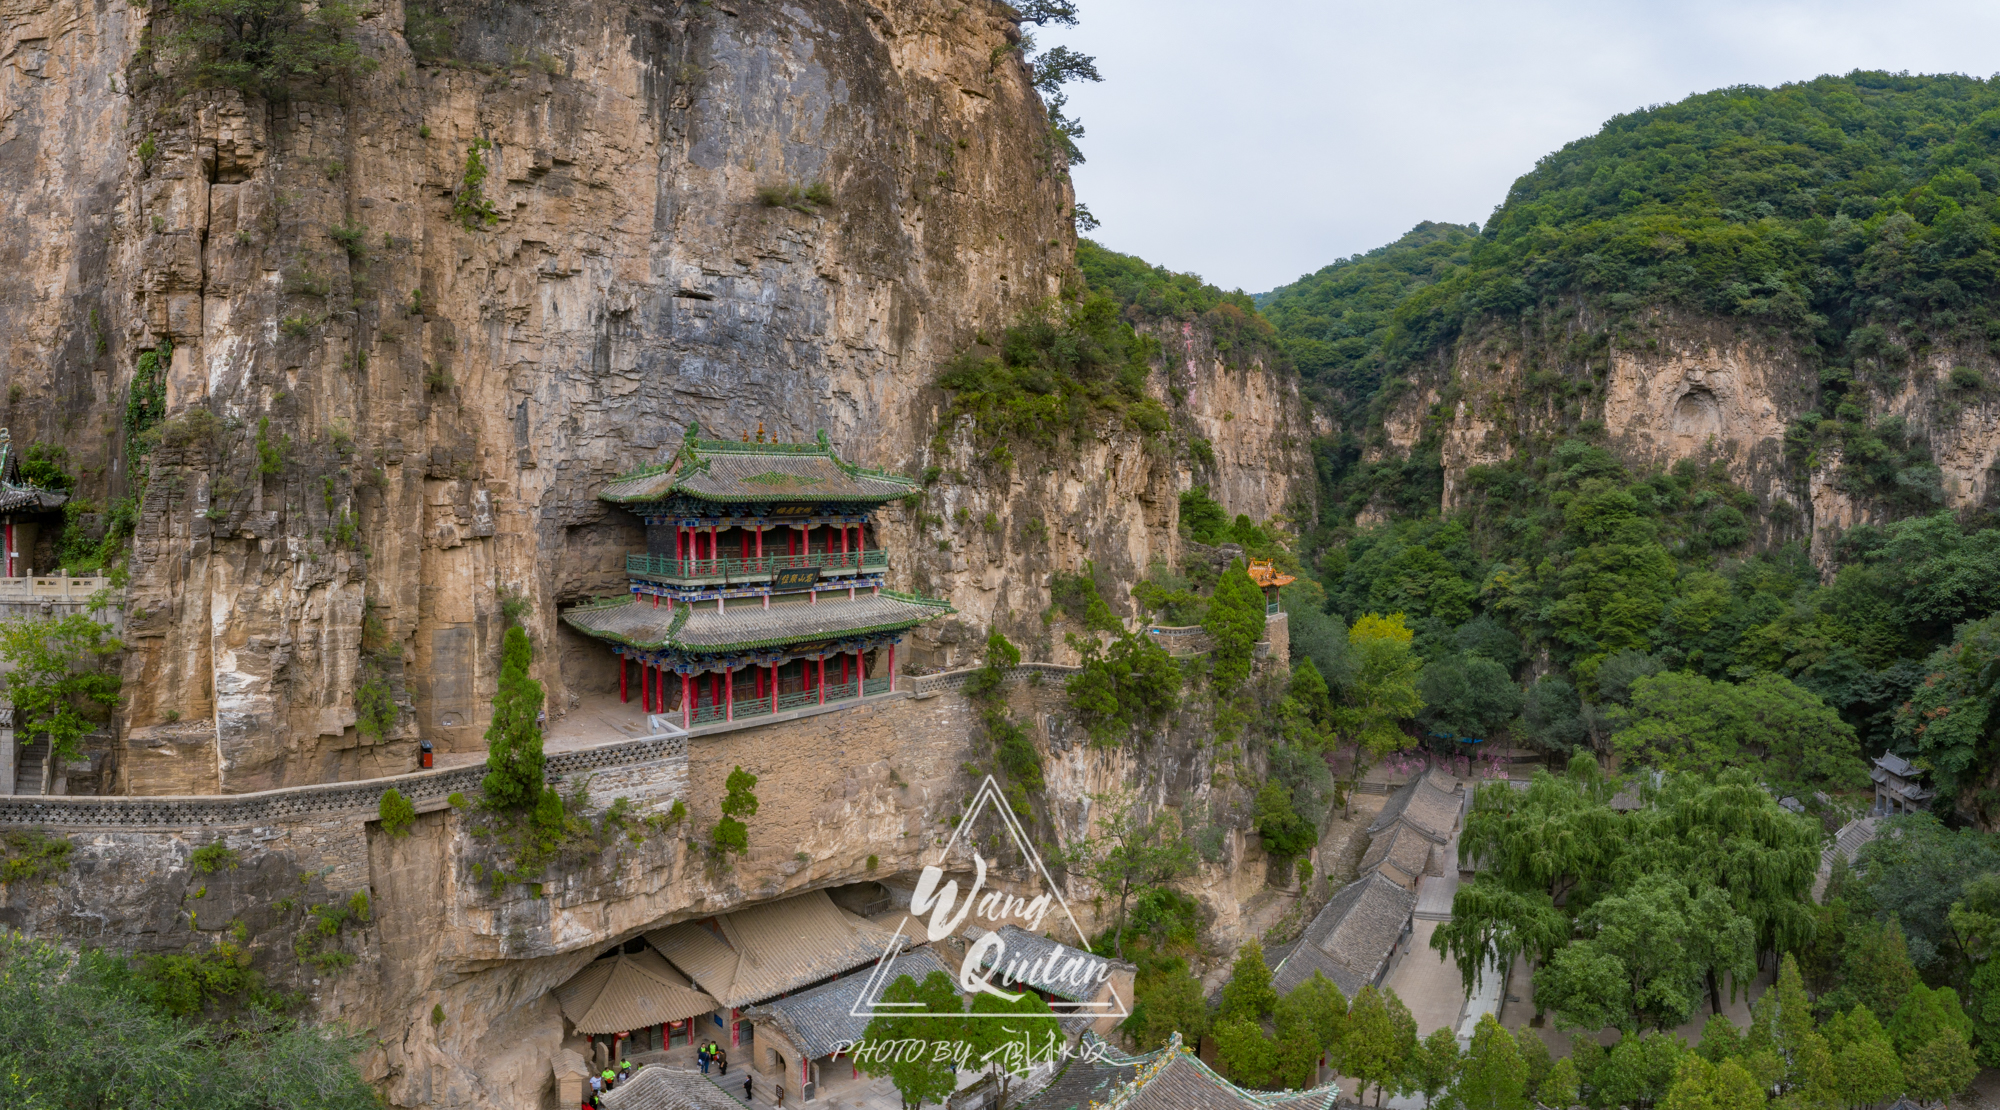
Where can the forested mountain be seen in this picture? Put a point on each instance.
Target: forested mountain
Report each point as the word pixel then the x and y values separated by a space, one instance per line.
pixel 1334 321
pixel 1579 587
pixel 1856 213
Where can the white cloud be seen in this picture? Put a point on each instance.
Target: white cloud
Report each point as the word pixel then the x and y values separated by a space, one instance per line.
pixel 1254 141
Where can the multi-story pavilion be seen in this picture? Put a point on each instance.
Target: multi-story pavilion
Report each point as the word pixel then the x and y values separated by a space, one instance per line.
pixel 760 590
pixel 23 509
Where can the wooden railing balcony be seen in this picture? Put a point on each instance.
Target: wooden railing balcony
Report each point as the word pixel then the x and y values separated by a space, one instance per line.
pixel 726 569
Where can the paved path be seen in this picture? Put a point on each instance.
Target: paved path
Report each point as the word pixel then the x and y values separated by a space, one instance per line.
pixel 1427 982
pixel 597 719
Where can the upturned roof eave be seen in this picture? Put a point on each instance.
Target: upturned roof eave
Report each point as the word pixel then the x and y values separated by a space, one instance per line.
pixel 937 609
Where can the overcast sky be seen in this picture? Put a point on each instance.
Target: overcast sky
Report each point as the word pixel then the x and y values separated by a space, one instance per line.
pixel 1253 141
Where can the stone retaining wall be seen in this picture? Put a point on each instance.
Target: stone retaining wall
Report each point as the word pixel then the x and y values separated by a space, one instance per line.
pixel 611 763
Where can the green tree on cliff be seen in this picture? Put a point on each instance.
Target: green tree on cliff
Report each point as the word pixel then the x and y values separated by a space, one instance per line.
pixel 1235 622
pixel 514 739
pixel 55 677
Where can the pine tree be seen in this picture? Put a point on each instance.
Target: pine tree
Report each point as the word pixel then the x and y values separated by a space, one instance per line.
pixel 1234 622
pixel 1940 1068
pixel 730 833
pixel 1720 1039
pixel 1876 968
pixel 1492 1076
pixel 1247 1056
pixel 1379 1040
pixel 1561 1089
pixel 1168 1001
pixel 1248 993
pixel 1926 1013
pixel 1322 1004
pixel 1434 1064
pixel 514 738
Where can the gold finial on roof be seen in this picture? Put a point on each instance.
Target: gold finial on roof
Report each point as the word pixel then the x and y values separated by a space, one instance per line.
pixel 746 437
pixel 760 431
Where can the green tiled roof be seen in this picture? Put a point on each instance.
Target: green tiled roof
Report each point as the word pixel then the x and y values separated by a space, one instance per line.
pixel 726 471
pixel 748 626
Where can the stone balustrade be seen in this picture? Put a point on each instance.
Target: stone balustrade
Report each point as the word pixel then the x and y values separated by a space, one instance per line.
pixel 293 803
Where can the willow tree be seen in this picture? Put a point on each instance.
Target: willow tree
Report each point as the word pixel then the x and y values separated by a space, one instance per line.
pixel 1729 873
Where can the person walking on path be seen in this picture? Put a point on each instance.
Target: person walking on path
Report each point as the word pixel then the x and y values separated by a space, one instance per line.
pixel 596 1088
pixel 746 1088
pixel 701 1057
pixel 722 1059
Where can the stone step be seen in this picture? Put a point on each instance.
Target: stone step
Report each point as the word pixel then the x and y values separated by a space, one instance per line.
pixel 28 776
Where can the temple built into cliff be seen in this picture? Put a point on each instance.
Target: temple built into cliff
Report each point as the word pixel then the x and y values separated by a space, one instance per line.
pixel 760 591
pixel 24 507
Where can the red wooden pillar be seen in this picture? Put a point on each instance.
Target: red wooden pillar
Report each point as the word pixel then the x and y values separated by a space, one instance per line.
pixel 860 677
pixel 774 687
pixel 892 668
pixel 843 545
pixel 821 680
pixel 687 714
pixel 729 694
pixel 622 698
pixel 760 543
pixel 645 688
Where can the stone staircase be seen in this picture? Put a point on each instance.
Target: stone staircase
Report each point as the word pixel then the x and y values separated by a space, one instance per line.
pixel 1847 844
pixel 30 775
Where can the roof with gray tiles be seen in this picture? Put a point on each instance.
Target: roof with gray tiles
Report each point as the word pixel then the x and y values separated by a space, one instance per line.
pixel 758 952
pixel 1424 805
pixel 747 625
pixel 720 470
pixel 16 495
pixel 1405 854
pixel 1351 938
pixel 1084 1082
pixel 822 1019
pixel 1169 1078
pixel 654 1087
pixel 1025 949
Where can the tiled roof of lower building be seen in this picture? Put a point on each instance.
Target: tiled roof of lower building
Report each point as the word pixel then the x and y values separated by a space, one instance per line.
pixel 748 625
pixel 1350 940
pixel 1083 1083
pixel 767 949
pixel 1060 964
pixel 822 1019
pixel 627 992
pixel 1400 849
pixel 1170 1078
pixel 661 1088
pixel 1424 805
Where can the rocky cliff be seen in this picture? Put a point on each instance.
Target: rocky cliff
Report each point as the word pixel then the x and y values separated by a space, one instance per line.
pixel 1680 387
pixel 386 417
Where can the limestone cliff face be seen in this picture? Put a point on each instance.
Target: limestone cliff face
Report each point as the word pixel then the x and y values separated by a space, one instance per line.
pixel 383 421
pixel 998 533
pixel 1691 389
